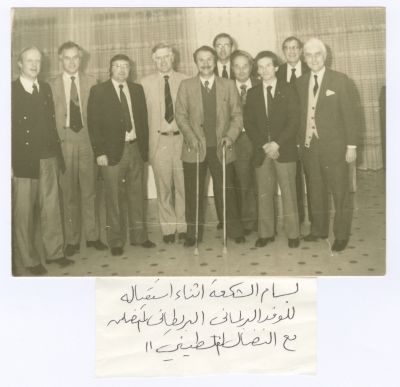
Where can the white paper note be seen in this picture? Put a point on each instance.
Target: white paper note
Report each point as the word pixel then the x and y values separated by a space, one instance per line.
pixel 148 326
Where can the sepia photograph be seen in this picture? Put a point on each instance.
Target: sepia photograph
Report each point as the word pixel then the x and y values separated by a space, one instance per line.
pixel 198 141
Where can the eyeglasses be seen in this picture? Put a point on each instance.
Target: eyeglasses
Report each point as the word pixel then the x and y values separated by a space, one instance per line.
pixel 226 45
pixel 291 48
pixel 119 66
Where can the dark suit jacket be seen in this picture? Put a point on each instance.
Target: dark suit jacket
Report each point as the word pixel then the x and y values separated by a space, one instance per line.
pixel 282 71
pixel 26 142
pixel 283 123
pixel 336 115
pixel 106 121
pixel 231 75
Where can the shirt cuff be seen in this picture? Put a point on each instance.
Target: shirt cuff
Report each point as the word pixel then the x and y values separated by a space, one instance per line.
pixel 351 146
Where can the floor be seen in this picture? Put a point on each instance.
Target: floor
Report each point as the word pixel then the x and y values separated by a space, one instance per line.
pixel 364 256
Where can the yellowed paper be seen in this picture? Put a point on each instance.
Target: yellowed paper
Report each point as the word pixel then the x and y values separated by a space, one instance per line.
pixel 151 327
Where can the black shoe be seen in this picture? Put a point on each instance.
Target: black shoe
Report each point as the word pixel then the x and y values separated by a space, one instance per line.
pixel 189 242
pixel 169 239
pixel 293 243
pixel 240 240
pixel 70 250
pixel 247 231
pixel 63 262
pixel 98 245
pixel 220 226
pixel 117 251
pixel 37 270
pixel 182 236
pixel 313 238
pixel 339 245
pixel 262 242
pixel 149 244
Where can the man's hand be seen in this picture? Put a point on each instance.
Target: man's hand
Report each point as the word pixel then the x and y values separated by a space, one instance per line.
pixel 102 160
pixel 195 145
pixel 228 142
pixel 351 154
pixel 271 149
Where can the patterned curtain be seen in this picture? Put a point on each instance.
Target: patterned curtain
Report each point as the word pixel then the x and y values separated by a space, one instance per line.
pixel 356 44
pixel 103 33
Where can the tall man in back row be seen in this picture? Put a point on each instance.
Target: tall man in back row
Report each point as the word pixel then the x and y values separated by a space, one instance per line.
pixel 328 137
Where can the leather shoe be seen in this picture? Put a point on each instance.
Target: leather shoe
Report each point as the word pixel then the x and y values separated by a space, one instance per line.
pixel 70 250
pixel 313 238
pixel 262 242
pixel 149 244
pixel 182 236
pixel 98 245
pixel 189 242
pixel 63 262
pixel 247 231
pixel 293 243
pixel 169 239
pixel 240 240
pixel 220 226
pixel 339 244
pixel 37 270
pixel 117 251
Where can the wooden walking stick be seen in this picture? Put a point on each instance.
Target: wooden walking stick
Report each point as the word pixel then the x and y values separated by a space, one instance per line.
pixel 224 250
pixel 196 250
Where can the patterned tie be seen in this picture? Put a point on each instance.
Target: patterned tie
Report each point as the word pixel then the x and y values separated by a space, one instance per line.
pixel 224 72
pixel 125 109
pixel 270 100
pixel 243 94
pixel 169 108
pixel 315 89
pixel 35 91
pixel 293 76
pixel 75 118
pixel 206 83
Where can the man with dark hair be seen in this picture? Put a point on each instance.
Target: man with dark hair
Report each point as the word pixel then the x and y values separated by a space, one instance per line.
pixel 224 46
pixel 36 158
pixel 271 118
pixel 242 66
pixel 209 115
pixel 118 129
pixel 71 92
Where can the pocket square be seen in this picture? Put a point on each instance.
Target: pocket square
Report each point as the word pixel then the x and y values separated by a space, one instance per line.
pixel 329 92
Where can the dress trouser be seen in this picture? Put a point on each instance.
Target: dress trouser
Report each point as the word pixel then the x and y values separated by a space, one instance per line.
pixel 168 175
pixel 268 174
pixel 234 227
pixel 43 192
pixel 244 181
pixel 80 169
pixel 325 173
pixel 124 181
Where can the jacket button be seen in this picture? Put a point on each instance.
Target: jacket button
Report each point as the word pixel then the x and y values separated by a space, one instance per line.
pixel 27 143
pixel 24 118
pixel 63 127
pixel 27 131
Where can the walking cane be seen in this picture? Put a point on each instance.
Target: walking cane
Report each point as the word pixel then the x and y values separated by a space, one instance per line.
pixel 196 250
pixel 224 250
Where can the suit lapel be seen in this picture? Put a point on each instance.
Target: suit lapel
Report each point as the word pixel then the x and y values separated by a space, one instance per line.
pixel 220 93
pixel 83 88
pixel 59 87
pixel 260 100
pixel 196 90
pixel 326 81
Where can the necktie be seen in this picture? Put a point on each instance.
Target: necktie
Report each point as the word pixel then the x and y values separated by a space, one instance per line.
pixel 315 89
pixel 169 108
pixel 224 72
pixel 206 83
pixel 270 100
pixel 75 118
pixel 293 76
pixel 125 110
pixel 35 90
pixel 243 94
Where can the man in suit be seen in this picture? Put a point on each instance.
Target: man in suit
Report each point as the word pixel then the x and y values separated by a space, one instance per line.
pixel 271 117
pixel 328 137
pixel 224 46
pixel 118 130
pixel 36 158
pixel 294 68
pixel 242 66
pixel 166 142
pixel 209 115
pixel 71 119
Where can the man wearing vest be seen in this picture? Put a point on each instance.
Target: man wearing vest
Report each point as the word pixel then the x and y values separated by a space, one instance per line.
pixel 36 158
pixel 71 92
pixel 209 115
pixel 328 137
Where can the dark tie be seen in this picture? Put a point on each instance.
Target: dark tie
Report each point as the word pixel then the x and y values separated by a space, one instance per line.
pixel 270 101
pixel 169 108
pixel 206 83
pixel 316 85
pixel 75 118
pixel 243 94
pixel 35 90
pixel 293 76
pixel 224 72
pixel 125 110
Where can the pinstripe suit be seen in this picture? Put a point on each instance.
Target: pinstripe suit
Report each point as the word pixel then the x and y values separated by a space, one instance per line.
pixel 337 123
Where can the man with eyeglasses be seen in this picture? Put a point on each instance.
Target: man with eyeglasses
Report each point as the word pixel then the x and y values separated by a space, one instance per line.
pixel 291 70
pixel 328 137
pixel 224 46
pixel 71 92
pixel 118 129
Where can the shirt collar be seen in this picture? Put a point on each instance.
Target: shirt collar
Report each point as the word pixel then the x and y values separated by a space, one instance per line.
pixel 67 77
pixel 162 75
pixel 247 83
pixel 27 84
pixel 116 84
pixel 320 75
pixel 273 84
pixel 210 81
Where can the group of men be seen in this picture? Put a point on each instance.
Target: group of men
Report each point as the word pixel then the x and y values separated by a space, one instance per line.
pixel 63 131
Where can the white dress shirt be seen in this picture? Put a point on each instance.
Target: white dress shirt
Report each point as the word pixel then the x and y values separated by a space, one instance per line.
pixel 210 81
pixel 67 88
pixel 273 84
pixel 28 85
pixel 221 68
pixel 249 86
pixel 298 71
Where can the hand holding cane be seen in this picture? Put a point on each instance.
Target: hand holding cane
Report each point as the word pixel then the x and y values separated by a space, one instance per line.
pixel 224 250
pixel 196 250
